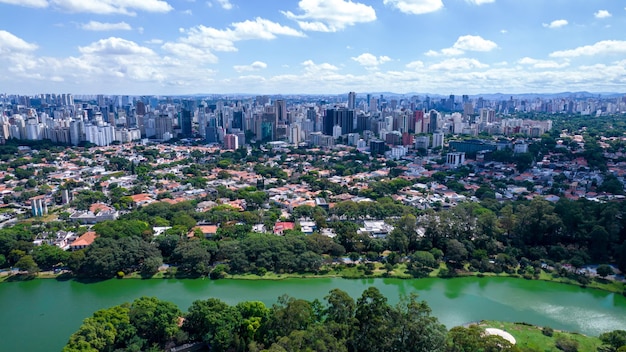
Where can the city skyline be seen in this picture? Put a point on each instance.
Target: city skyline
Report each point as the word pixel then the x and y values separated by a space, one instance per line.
pixel 171 47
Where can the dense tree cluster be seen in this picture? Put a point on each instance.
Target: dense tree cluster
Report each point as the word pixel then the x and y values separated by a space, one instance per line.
pixel 340 324
pixel 520 237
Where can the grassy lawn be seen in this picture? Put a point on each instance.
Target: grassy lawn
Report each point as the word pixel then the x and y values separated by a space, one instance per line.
pixel 531 337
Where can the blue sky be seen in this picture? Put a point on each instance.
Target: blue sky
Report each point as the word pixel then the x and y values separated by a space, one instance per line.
pixel 311 46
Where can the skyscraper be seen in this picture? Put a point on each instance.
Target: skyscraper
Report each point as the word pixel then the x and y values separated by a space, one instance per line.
pixel 281 111
pixel 185 123
pixel 342 117
pixel 352 100
pixel 433 121
pixel 163 125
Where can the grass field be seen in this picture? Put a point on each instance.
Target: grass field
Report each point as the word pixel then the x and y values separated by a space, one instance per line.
pixel 531 338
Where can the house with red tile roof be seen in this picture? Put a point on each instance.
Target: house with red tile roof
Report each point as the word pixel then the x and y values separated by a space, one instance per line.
pixel 280 227
pixel 206 230
pixel 83 241
pixel 142 199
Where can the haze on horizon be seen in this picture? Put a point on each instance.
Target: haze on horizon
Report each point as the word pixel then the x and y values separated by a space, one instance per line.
pixel 178 47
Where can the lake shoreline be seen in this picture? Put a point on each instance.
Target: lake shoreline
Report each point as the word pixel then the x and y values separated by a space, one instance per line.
pixel 611 286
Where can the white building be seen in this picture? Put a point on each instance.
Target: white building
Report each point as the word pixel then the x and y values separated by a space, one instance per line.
pixel 455 159
pixel 438 139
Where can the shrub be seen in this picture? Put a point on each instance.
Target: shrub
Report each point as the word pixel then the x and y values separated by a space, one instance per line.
pixel 219 272
pixel 566 345
pixel 548 331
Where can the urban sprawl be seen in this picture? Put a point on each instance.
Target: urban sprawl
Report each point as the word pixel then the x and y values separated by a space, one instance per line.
pixel 90 159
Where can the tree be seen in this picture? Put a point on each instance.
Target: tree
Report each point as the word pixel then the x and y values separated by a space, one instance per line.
pixel 101 331
pixel 340 313
pixel 254 314
pixel 47 256
pixel 456 252
pixel 414 329
pixel 422 263
pixel 287 315
pixel 155 320
pixel 214 322
pixel 315 338
pixel 27 263
pixel 374 318
pixel 604 270
pixel 612 341
pixel 193 257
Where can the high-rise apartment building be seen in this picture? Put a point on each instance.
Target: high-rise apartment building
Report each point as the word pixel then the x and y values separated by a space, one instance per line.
pixel 352 100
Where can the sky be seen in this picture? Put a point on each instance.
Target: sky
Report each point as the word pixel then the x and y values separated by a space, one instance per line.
pixel 171 47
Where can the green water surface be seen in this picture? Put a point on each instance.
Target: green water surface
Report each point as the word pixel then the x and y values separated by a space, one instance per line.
pixel 40 315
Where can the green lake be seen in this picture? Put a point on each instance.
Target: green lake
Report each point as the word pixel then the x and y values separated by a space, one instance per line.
pixel 40 315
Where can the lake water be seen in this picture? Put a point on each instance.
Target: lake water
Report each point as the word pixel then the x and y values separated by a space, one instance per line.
pixel 40 315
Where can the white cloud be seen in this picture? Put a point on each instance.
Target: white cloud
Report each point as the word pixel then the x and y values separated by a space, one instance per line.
pixel 107 7
pixel 187 12
pixel 458 64
pixel 331 15
pixel 154 41
pixel 414 65
pixel 10 43
pixel 600 48
pixel 190 52
pixel 480 2
pixel 312 67
pixel 103 26
pixel 415 7
pixel 224 39
pixel 27 3
pixel 225 4
pixel 465 43
pixel 115 46
pixel 602 14
pixel 555 24
pixel 371 62
pixel 535 63
pixel 255 66
pixel 474 43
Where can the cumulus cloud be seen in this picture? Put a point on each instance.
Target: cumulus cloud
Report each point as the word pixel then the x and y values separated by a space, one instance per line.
pixel 602 14
pixel 9 43
pixel 190 52
pixel 331 15
pixel 108 7
pixel 480 2
pixel 370 61
pixel 414 65
pixel 416 7
pixel 465 43
pixel 474 43
pixel 225 4
pixel 458 64
pixel 255 66
pixel 115 46
pixel 600 48
pixel 27 3
pixel 312 67
pixel 536 63
pixel 103 26
pixel 555 24
pixel 201 42
pixel 225 39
